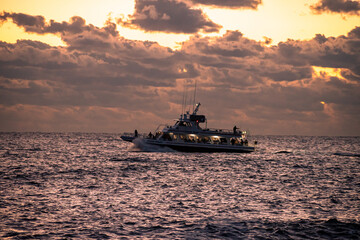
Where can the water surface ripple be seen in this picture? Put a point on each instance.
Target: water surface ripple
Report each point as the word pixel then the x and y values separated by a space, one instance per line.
pixel 95 186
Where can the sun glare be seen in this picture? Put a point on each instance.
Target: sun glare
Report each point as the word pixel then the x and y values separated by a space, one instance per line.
pixel 325 71
pixel 89 10
pixel 64 10
pixel 277 20
pixel 281 20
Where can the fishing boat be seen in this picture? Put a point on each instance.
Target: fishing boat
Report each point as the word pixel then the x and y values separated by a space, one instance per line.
pixel 187 135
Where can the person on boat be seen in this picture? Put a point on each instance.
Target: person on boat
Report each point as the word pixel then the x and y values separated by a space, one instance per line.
pixel 234 129
pixel 136 133
pixel 150 135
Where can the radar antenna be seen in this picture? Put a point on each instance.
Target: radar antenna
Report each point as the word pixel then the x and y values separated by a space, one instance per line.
pixel 196 108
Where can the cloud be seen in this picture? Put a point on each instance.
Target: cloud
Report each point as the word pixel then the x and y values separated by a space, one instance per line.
pixel 37 24
pixel 71 32
pixel 339 52
pixel 169 16
pixel 96 68
pixel 101 81
pixel 277 83
pixel 337 6
pixel 252 4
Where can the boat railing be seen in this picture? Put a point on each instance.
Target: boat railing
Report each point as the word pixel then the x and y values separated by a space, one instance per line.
pixel 223 131
pixel 161 126
pixel 208 130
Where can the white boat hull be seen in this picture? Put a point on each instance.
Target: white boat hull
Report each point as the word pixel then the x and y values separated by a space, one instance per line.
pixel 200 147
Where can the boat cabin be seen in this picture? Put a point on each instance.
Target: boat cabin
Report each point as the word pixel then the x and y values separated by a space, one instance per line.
pixel 187 130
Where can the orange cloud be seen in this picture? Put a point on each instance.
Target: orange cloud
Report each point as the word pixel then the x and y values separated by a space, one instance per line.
pixel 337 6
pixel 100 77
pixel 168 16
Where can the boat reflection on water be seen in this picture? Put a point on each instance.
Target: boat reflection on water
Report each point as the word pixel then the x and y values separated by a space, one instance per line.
pixel 187 135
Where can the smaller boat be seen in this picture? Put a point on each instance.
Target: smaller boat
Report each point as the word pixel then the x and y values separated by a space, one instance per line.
pixel 128 138
pixel 186 135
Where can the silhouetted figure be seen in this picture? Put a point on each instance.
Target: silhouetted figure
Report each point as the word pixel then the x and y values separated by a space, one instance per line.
pixel 136 133
pixel 150 135
pixel 234 129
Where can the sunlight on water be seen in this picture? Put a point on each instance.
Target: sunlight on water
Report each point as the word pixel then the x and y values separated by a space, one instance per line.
pixel 98 186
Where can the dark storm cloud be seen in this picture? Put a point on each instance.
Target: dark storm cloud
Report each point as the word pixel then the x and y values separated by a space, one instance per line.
pixel 102 78
pixel 168 16
pixel 252 4
pixel 337 6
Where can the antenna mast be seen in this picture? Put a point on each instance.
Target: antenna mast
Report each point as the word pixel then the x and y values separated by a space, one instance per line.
pixel 182 103
pixel 186 93
pixel 194 96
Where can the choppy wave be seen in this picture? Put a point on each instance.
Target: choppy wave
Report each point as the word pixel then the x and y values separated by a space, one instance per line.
pixel 347 154
pixel 284 152
pixel 94 186
pixel 225 229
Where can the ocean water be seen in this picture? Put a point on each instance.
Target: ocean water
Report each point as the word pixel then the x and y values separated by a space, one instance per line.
pixel 96 186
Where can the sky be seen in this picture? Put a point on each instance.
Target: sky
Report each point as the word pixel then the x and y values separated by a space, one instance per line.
pixel 279 67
